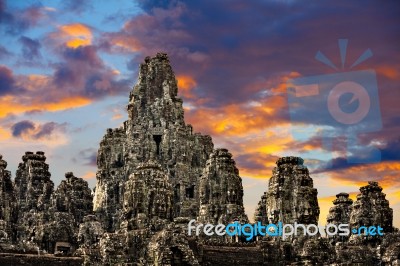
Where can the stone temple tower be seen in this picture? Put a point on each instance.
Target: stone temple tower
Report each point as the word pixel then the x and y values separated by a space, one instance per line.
pixel 155 129
pixel 7 202
pixel 221 191
pixel 33 190
pixel 372 208
pixel 340 213
pixel 290 197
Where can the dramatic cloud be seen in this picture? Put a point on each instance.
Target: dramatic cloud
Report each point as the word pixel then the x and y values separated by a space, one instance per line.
pixel 256 164
pixel 13 105
pixel 72 35
pixel 29 130
pixel 89 175
pixel 47 129
pixel 186 84
pixel 22 127
pixel 388 153
pixel 226 47
pixel 79 78
pixel 14 23
pixel 84 73
pixel 7 82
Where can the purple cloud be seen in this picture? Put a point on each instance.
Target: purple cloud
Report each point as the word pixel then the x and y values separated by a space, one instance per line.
pixel 30 48
pixel 7 82
pixel 21 127
pixel 36 131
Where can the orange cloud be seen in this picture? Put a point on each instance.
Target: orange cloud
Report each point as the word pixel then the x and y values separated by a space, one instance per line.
pixel 32 137
pixel 186 84
pixel 73 35
pixel 255 130
pixel 89 175
pixel 116 72
pixel 256 165
pixel 15 105
pixel 244 118
pixel 237 119
pixel 4 134
pixel 116 117
pixel 33 82
pixel 389 71
pixel 126 43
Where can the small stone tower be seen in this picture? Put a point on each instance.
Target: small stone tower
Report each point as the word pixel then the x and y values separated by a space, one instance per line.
pixel 372 208
pixel 221 191
pixel 73 196
pixel 33 189
pixel 340 213
pixel 32 182
pixel 291 196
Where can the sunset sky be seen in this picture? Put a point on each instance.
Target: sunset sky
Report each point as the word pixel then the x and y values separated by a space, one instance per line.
pixel 66 69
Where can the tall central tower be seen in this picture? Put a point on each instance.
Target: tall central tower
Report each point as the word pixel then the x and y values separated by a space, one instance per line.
pixel 155 130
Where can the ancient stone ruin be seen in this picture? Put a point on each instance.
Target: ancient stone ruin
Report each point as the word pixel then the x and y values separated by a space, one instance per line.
pixel 155 175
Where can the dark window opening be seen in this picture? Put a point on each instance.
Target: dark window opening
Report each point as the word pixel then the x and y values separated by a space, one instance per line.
pixel 177 256
pixel 157 139
pixel 288 252
pixel 116 192
pixel 195 161
pixel 64 250
pixel 190 192
pixel 177 193
pixel 118 162
pixel 172 172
